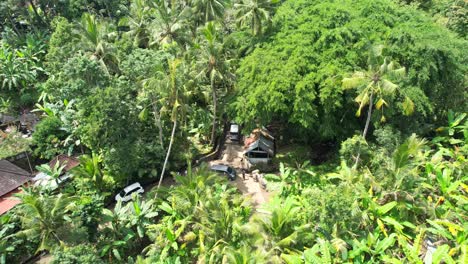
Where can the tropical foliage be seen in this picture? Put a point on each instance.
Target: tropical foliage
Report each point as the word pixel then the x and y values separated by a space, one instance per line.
pixel 296 80
pixel 366 100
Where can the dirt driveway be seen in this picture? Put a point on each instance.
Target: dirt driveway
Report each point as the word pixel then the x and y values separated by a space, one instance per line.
pixel 232 156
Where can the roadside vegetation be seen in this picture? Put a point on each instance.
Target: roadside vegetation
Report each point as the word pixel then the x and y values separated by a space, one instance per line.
pixel 366 99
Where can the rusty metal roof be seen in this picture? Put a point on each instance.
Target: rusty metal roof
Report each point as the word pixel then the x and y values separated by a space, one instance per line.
pixel 68 161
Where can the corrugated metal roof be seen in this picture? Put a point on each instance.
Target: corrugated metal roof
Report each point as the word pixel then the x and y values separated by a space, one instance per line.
pixel 263 144
pixel 11 177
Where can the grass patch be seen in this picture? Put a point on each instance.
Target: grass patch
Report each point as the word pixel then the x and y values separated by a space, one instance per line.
pixel 293 155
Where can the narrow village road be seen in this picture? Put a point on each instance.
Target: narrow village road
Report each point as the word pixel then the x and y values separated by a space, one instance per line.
pixel 232 156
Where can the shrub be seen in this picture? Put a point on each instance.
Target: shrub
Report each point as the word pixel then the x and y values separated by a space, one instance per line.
pixel 81 254
pixel 48 138
pixel 332 207
pixel 27 99
pixel 352 147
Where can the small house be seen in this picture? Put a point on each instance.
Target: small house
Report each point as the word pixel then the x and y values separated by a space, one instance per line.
pixel 260 151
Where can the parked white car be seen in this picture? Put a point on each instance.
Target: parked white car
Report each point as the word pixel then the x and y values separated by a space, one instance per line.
pixel 126 194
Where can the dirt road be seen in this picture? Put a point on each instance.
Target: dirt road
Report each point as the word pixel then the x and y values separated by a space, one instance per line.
pixel 232 156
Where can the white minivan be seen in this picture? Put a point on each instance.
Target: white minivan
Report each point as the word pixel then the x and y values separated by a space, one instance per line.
pixel 126 194
pixel 234 132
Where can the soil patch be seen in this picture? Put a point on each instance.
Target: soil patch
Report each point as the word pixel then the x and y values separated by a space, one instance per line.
pixel 232 156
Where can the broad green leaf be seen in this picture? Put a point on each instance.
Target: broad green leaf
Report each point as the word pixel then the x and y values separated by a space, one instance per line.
pixel 458 119
pixel 291 259
pixel 384 244
pixel 143 114
pixel 463 259
pixel 166 208
pixel 454 141
pixel 441 253
pixel 383 209
pixel 391 221
pixel 116 254
pixel 104 250
pixel 141 231
pixel 170 235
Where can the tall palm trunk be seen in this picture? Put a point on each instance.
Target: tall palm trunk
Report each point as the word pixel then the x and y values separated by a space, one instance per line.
pixel 13 25
pixel 36 13
pixel 44 11
pixel 215 106
pixel 369 114
pixel 157 121
pixel 366 127
pixel 168 153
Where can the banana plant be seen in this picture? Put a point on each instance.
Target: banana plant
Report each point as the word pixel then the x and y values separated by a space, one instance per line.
pixel 446 183
pixel 455 123
pixel 292 181
pixel 448 230
pixel 119 234
pixel 143 214
pixel 115 248
pixel 54 172
pixel 372 249
pixel 5 246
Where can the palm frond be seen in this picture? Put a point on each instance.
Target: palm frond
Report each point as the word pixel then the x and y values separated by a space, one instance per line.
pixel 358 79
pixel 388 87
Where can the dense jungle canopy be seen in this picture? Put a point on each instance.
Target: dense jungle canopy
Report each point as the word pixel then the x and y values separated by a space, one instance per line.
pixel 352 145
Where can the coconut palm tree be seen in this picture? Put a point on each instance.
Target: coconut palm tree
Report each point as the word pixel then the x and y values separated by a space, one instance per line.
pixel 254 13
pixel 278 228
pixel 93 37
pixel 214 67
pixel 209 10
pixel 43 217
pixel 375 82
pixel 173 83
pixel 139 22
pixel 170 23
pixel 151 90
